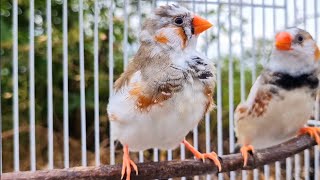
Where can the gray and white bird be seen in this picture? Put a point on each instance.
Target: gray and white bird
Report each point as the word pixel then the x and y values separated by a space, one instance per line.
pixel 282 98
pixel 166 89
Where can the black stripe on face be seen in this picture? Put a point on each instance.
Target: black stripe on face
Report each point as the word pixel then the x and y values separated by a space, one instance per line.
pixel 289 82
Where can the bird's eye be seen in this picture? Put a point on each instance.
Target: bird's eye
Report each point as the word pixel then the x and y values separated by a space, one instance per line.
pixel 178 20
pixel 300 38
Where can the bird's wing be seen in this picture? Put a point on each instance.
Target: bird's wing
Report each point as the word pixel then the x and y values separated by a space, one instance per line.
pixel 257 101
pixel 203 69
pixel 157 87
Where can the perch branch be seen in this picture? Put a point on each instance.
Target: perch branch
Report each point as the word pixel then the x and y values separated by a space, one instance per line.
pixel 176 168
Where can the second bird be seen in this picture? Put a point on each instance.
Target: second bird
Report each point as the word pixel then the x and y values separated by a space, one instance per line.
pixel 282 98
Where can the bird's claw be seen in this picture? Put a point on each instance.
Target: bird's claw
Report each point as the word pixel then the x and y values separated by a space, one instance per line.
pixel 213 156
pixel 312 131
pixel 244 152
pixel 126 168
pixel 126 165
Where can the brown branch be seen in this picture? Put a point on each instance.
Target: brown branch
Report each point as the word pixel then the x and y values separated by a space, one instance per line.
pixel 176 168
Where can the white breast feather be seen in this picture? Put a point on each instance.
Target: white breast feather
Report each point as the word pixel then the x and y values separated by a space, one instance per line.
pixel 281 121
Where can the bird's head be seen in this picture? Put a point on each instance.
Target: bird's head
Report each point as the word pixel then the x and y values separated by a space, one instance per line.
pixel 173 27
pixel 295 52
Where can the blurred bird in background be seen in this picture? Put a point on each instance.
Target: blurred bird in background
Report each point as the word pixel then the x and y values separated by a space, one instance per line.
pixel 282 98
pixel 166 89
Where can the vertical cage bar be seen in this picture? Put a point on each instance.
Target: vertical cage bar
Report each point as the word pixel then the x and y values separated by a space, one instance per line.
pixel 15 88
pixel 155 154
pixel 219 91
pixel 253 44
pixel 295 12
pixel 65 87
pixel 139 18
pixel 169 157
pixel 306 164
pixel 230 83
pixel 230 80
pixel 278 170
pixel 242 75
pixel 182 152
pixel 304 14
pixel 111 64
pixel 96 84
pixel 82 88
pixel 274 16
pixel 265 167
pixel 297 166
pixel 289 168
pixel 315 20
pixel 31 89
pixel 286 13
pixel 182 155
pixel 256 174
pixel 125 34
pixel 50 94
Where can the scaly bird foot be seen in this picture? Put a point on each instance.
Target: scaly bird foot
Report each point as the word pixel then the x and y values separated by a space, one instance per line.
pixel 312 131
pixel 127 163
pixel 244 152
pixel 213 156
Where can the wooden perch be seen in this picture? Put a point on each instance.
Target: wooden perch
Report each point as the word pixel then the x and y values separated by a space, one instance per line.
pixel 176 168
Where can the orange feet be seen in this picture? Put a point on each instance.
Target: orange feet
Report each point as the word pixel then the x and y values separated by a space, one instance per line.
pixel 213 156
pixel 244 152
pixel 127 163
pixel 314 132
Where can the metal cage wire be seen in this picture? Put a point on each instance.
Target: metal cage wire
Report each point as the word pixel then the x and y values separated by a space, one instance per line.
pixel 248 26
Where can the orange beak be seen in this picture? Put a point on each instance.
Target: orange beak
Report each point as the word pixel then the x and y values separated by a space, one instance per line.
pixel 200 24
pixel 283 41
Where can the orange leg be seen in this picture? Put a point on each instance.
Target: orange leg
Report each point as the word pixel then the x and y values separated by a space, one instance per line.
pixel 312 131
pixel 213 156
pixel 127 163
pixel 244 152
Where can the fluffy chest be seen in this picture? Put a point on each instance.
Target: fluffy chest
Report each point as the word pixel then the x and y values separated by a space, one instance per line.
pixel 285 115
pixel 164 125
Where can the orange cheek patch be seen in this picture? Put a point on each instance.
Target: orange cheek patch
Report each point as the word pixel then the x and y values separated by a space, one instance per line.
pixel 161 39
pixel 182 36
pixel 316 53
